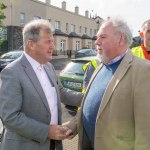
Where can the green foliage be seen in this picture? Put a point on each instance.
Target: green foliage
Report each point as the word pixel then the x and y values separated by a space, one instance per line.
pixel 2 6
pixel 2 17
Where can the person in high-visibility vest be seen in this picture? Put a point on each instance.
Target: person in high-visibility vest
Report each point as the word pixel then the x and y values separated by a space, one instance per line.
pixel 89 68
pixel 143 51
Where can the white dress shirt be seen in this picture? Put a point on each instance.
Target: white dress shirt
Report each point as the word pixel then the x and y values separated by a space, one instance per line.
pixel 49 90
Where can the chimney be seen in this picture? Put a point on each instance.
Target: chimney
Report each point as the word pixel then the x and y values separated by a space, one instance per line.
pixel 87 13
pixel 76 10
pixel 64 5
pixel 48 2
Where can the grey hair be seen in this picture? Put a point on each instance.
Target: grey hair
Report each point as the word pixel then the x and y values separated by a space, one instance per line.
pixel 121 27
pixel 147 22
pixel 32 30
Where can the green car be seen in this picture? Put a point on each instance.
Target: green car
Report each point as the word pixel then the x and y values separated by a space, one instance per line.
pixel 72 76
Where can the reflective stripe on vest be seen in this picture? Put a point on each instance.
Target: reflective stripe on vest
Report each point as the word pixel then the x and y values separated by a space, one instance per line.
pixel 137 51
pixel 85 66
pixel 92 62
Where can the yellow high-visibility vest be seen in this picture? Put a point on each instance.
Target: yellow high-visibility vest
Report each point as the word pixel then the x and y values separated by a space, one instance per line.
pixel 95 64
pixel 92 62
pixel 137 51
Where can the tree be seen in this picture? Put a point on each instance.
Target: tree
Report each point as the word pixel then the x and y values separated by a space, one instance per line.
pixel 2 17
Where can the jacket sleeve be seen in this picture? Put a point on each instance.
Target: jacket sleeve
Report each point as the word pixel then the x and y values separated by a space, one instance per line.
pixel 11 101
pixel 142 109
pixel 70 97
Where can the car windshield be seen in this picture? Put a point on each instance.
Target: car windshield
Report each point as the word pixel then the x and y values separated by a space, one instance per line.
pixel 11 55
pixel 74 68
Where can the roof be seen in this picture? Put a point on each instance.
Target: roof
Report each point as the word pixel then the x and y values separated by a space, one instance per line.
pixel 74 34
pixel 94 38
pixel 59 32
pixel 85 36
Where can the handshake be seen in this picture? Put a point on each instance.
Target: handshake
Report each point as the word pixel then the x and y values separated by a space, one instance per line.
pixel 58 132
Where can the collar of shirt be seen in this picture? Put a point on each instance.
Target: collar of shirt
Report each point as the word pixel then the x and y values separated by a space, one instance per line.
pixel 35 65
pixel 117 58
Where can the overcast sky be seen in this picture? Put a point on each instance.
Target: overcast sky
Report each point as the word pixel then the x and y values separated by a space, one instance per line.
pixel 135 12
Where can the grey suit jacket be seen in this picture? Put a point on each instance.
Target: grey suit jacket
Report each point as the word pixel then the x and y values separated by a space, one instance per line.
pixel 24 108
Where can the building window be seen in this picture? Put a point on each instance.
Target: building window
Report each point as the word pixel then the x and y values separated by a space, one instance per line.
pixel 62 45
pixel 85 30
pixel 90 32
pixel 89 45
pixel 36 17
pixel 57 25
pixel 77 45
pixel 67 27
pixel 95 32
pixel 80 29
pixel 73 28
pixel 22 18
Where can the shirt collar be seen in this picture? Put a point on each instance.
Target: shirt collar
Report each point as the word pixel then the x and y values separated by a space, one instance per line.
pixel 35 65
pixel 117 58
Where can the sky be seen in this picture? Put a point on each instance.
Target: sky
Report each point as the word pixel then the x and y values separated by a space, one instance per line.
pixel 135 12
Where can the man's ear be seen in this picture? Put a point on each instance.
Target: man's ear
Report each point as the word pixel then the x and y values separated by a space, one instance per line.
pixel 141 35
pixel 30 44
pixel 122 39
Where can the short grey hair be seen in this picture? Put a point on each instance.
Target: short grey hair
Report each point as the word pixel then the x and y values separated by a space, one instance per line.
pixel 121 27
pixel 147 22
pixel 32 30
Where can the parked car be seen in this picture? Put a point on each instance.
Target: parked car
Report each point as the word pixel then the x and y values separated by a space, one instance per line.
pixel 72 75
pixel 8 57
pixel 85 53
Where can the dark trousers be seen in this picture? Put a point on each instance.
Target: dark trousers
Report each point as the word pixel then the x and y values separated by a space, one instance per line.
pixel 52 145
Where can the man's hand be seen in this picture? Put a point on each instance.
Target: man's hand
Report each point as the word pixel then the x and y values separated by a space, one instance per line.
pixel 69 133
pixel 57 132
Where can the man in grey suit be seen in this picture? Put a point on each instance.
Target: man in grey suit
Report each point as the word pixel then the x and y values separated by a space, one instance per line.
pixel 30 95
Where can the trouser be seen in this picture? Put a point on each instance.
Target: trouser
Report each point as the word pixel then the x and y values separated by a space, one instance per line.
pixel 52 145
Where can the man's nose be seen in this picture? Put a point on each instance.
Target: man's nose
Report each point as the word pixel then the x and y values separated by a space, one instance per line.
pixel 52 45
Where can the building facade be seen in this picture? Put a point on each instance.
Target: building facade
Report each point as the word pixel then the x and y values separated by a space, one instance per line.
pixel 72 31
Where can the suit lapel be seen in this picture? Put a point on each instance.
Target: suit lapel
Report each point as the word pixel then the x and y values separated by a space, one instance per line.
pixel 32 76
pixel 120 72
